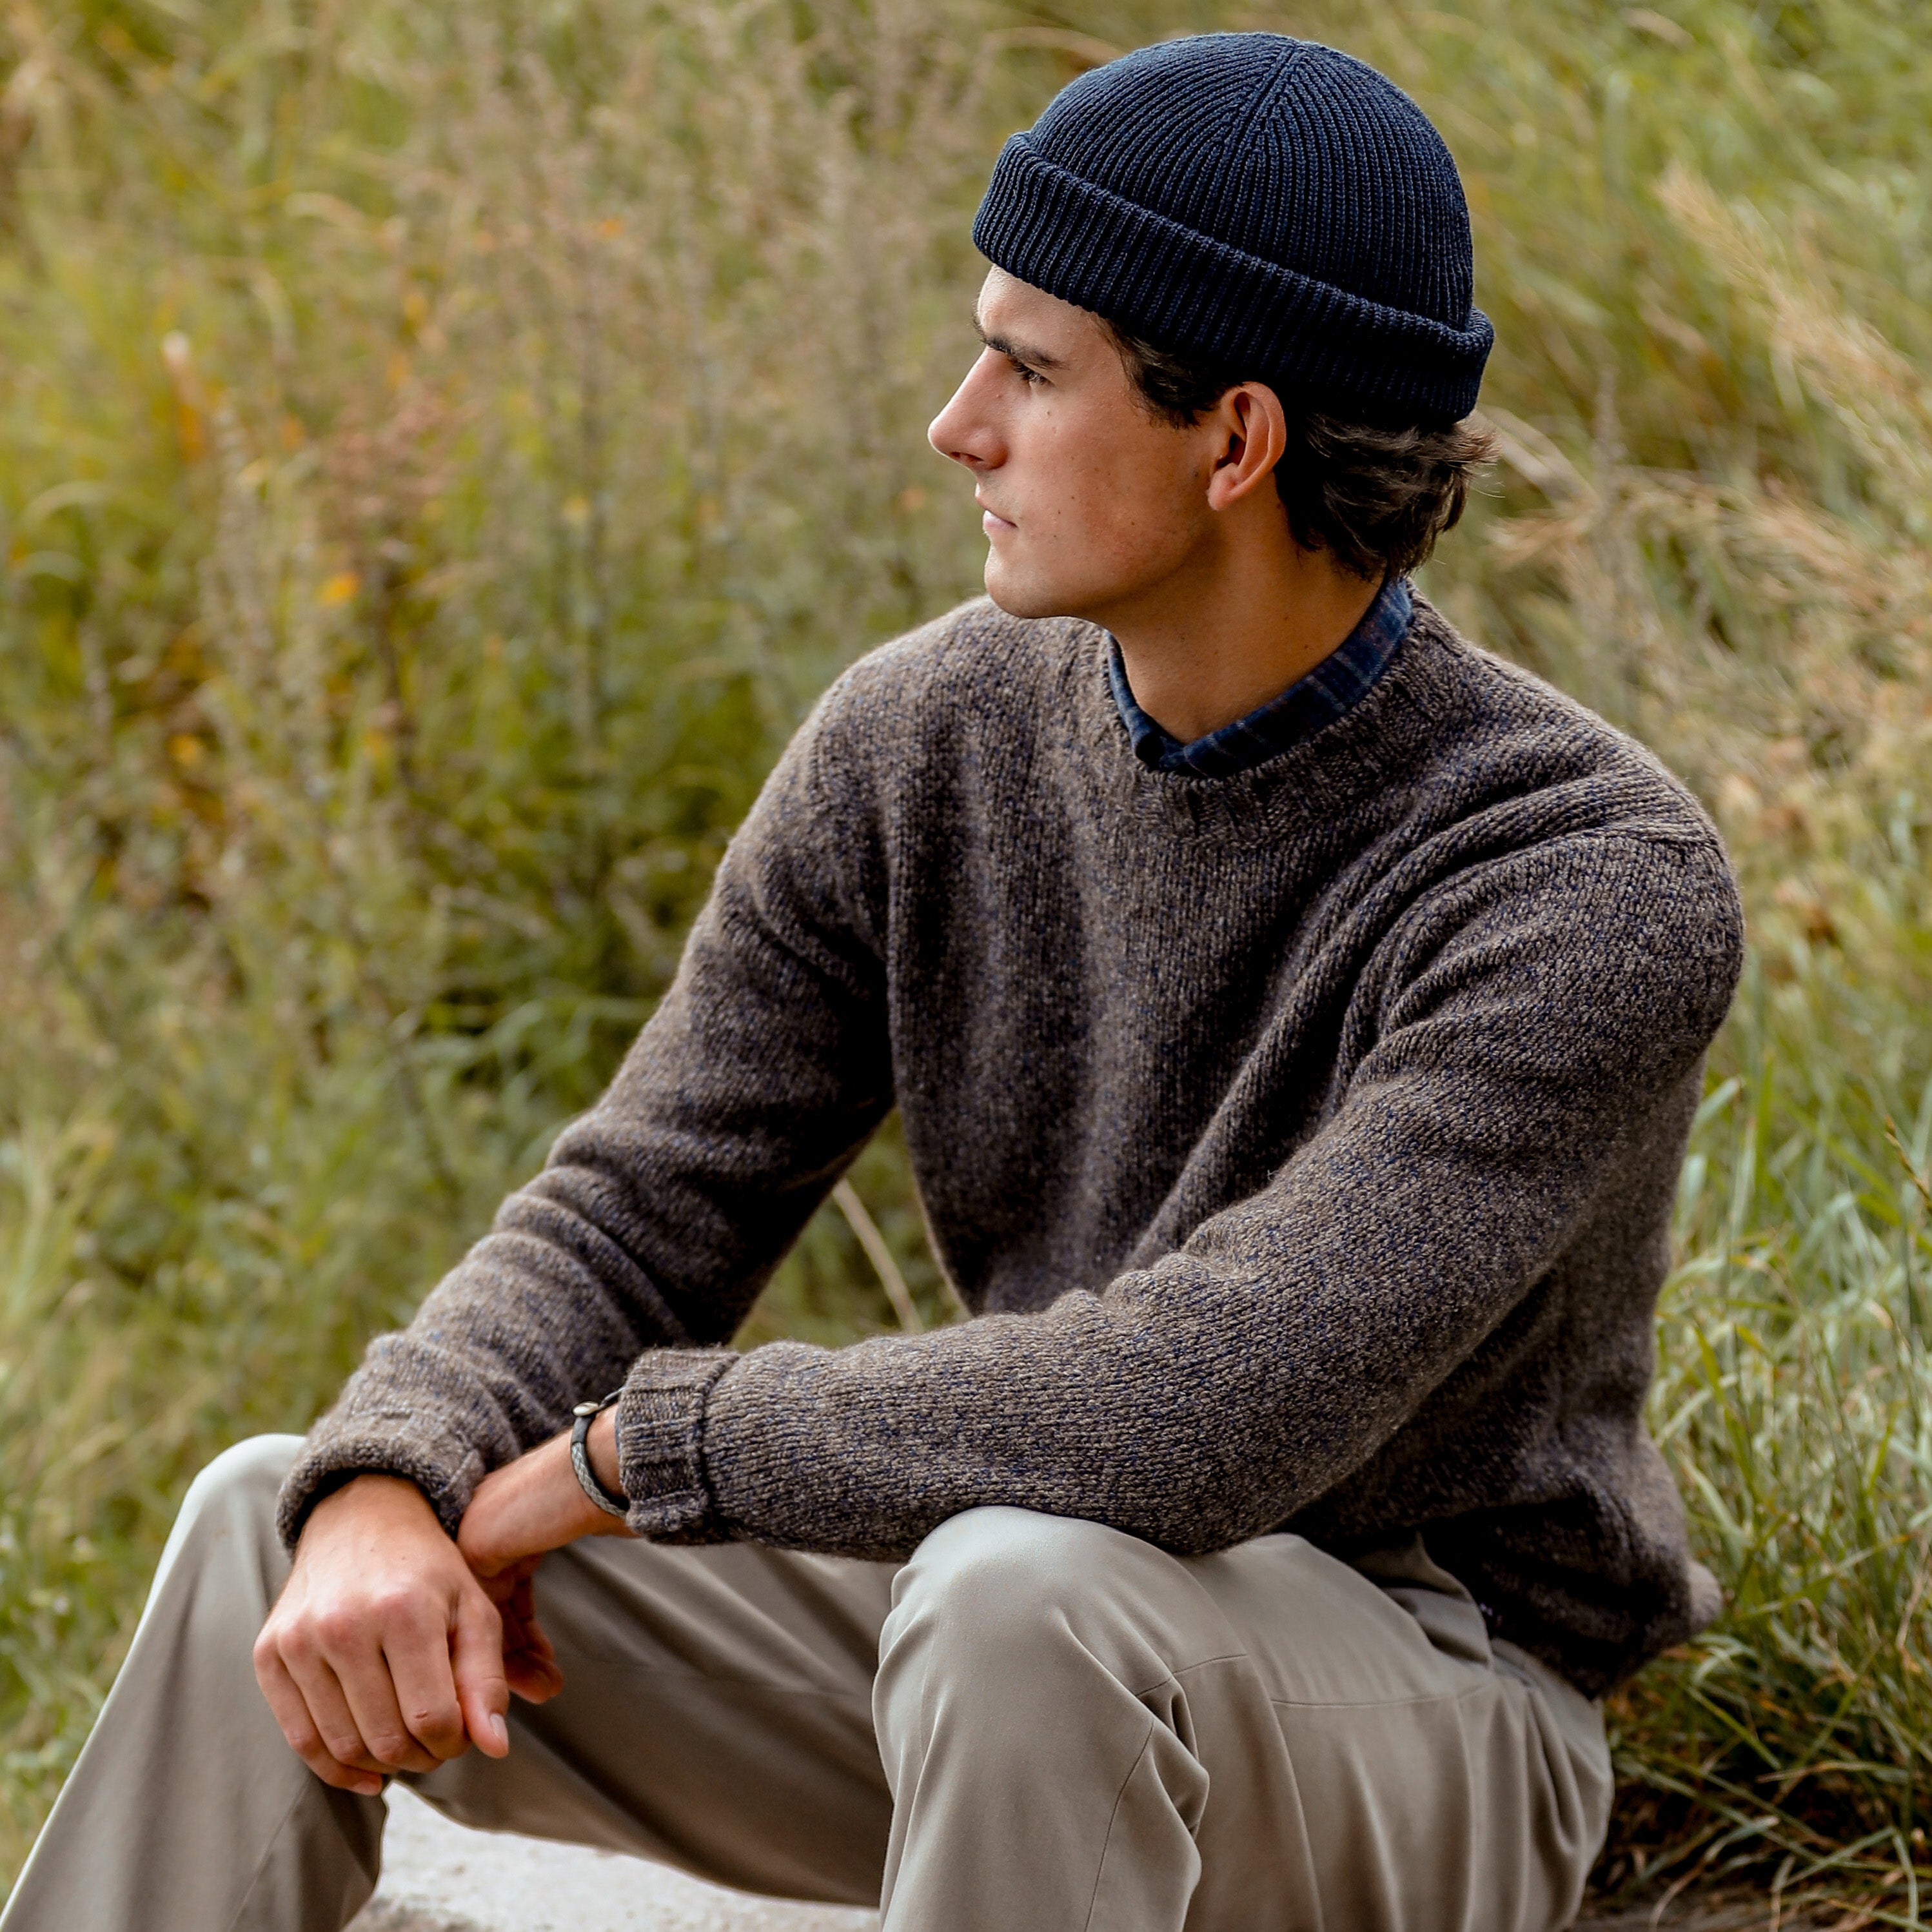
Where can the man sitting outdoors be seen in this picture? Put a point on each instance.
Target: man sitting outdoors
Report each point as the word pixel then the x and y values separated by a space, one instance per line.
pixel 1295 1015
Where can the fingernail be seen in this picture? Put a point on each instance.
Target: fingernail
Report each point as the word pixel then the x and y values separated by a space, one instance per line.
pixel 499 1732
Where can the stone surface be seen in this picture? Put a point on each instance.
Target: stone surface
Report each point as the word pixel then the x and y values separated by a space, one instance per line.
pixel 438 1877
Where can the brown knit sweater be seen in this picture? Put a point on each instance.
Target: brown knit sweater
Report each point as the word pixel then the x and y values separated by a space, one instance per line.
pixel 1303 1141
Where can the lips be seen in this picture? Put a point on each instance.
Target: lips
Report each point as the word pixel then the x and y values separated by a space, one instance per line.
pixel 991 521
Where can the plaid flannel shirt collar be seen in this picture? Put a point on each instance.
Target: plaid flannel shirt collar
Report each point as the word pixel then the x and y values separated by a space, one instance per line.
pixel 1340 681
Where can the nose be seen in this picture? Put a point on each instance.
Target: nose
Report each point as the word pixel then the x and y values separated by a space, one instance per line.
pixel 964 430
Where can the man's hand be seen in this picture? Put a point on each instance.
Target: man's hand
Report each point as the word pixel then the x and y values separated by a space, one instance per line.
pixel 519 1513
pixel 383 1653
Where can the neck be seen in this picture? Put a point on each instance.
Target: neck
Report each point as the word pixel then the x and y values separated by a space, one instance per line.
pixel 1206 646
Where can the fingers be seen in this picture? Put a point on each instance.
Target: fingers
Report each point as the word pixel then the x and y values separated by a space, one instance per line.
pixel 482 1688
pixel 327 1709
pixel 330 1679
pixel 535 1682
pixel 344 1680
pixel 530 1661
pixel 417 1652
pixel 530 1665
pixel 501 1586
pixel 355 1658
pixel 521 1609
pixel 367 1674
pixel 291 1712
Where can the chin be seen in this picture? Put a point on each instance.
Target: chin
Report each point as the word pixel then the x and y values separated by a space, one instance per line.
pixel 1020 596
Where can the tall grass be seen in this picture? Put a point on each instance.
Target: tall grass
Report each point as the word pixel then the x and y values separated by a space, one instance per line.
pixel 1796 1395
pixel 443 450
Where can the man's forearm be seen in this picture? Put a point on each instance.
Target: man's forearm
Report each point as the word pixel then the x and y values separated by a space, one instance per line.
pixel 536 1504
pixel 1216 1391
pixel 499 1354
pixel 660 1213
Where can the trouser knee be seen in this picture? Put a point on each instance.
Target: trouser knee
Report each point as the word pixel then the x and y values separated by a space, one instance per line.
pixel 1025 1682
pixel 231 1505
pixel 996 1599
pixel 247 1477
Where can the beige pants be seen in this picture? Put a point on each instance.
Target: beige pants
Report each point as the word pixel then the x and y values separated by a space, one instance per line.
pixel 1036 1725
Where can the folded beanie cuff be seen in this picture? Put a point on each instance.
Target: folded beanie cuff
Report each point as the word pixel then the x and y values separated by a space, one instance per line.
pixel 1188 292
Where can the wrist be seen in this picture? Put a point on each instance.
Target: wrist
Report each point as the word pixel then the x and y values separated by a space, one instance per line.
pixel 368 1489
pixel 585 1517
pixel 527 1507
pixel 600 1445
pixel 368 1496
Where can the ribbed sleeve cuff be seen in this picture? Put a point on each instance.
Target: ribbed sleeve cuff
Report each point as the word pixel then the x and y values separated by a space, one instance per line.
pixel 335 1454
pixel 661 1444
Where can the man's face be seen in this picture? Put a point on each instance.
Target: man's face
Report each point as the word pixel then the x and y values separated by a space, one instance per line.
pixel 1090 501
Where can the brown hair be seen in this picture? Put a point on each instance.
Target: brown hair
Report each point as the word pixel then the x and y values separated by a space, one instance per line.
pixel 1375 499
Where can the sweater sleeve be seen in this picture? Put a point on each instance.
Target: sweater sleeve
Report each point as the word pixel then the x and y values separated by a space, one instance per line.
pixel 661 1213
pixel 1529 1010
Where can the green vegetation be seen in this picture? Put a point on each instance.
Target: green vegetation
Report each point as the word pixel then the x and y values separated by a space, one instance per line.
pixel 443 448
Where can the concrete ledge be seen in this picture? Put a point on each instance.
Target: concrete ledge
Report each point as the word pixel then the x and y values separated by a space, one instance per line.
pixel 438 1877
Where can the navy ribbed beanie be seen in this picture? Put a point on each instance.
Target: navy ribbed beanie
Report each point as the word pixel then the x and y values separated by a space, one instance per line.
pixel 1270 206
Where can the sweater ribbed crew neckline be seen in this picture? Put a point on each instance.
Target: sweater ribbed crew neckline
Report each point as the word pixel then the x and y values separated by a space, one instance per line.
pixel 1323 693
pixel 1311 785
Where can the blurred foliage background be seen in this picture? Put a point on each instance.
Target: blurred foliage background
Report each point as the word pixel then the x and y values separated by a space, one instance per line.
pixel 444 449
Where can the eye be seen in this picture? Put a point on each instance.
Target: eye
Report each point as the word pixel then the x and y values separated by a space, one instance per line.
pixel 1031 377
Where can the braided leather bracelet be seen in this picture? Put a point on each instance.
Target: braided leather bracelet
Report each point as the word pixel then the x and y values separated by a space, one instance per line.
pixel 587 1413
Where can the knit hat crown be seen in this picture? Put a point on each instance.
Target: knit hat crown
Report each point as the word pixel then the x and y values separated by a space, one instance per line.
pixel 1272 206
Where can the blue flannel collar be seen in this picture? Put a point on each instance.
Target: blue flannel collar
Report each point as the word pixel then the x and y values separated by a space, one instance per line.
pixel 1340 681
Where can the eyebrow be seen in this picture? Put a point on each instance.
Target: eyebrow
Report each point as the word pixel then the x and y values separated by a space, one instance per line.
pixel 1020 352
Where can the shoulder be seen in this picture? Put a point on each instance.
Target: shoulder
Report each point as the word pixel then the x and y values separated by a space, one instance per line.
pixel 1509 743
pixel 1521 799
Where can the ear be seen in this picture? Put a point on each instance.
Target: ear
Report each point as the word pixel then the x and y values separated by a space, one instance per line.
pixel 1251 429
